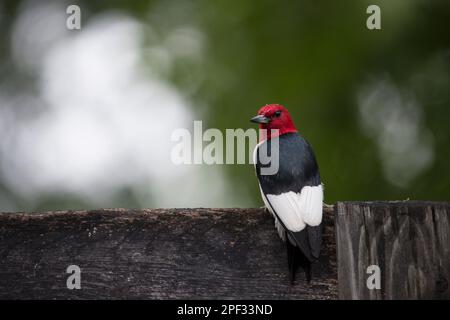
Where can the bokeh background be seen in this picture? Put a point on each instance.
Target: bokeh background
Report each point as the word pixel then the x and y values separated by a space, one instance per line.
pixel 86 115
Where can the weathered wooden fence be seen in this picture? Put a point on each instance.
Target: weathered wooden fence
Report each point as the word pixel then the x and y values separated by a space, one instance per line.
pixel 224 254
pixel 408 241
pixel 155 254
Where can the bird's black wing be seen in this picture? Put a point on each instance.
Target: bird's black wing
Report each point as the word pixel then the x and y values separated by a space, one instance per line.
pixel 294 192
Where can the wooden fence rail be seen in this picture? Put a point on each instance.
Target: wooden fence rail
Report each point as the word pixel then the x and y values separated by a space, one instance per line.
pixel 225 254
pixel 155 254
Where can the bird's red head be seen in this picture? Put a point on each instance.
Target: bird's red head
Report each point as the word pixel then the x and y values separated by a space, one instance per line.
pixel 274 116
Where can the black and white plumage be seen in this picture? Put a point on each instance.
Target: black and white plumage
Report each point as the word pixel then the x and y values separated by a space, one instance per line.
pixel 294 194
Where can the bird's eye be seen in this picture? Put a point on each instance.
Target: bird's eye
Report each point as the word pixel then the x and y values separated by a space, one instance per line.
pixel 277 114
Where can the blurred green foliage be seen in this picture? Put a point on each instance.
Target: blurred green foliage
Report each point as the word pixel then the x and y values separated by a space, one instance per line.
pixel 312 57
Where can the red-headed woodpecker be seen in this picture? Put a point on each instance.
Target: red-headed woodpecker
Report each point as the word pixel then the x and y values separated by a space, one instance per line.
pixel 293 194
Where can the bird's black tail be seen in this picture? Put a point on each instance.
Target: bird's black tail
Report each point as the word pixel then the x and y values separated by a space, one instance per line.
pixel 305 251
pixel 297 259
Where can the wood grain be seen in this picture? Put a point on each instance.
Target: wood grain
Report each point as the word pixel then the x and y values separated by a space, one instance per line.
pixel 155 254
pixel 408 240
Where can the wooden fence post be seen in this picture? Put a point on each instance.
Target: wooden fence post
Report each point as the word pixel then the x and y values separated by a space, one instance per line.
pixel 385 250
pixel 409 241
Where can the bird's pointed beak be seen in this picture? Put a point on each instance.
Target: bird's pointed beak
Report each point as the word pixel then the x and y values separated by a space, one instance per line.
pixel 260 119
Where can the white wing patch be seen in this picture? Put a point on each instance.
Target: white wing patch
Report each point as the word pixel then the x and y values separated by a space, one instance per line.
pixel 296 210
